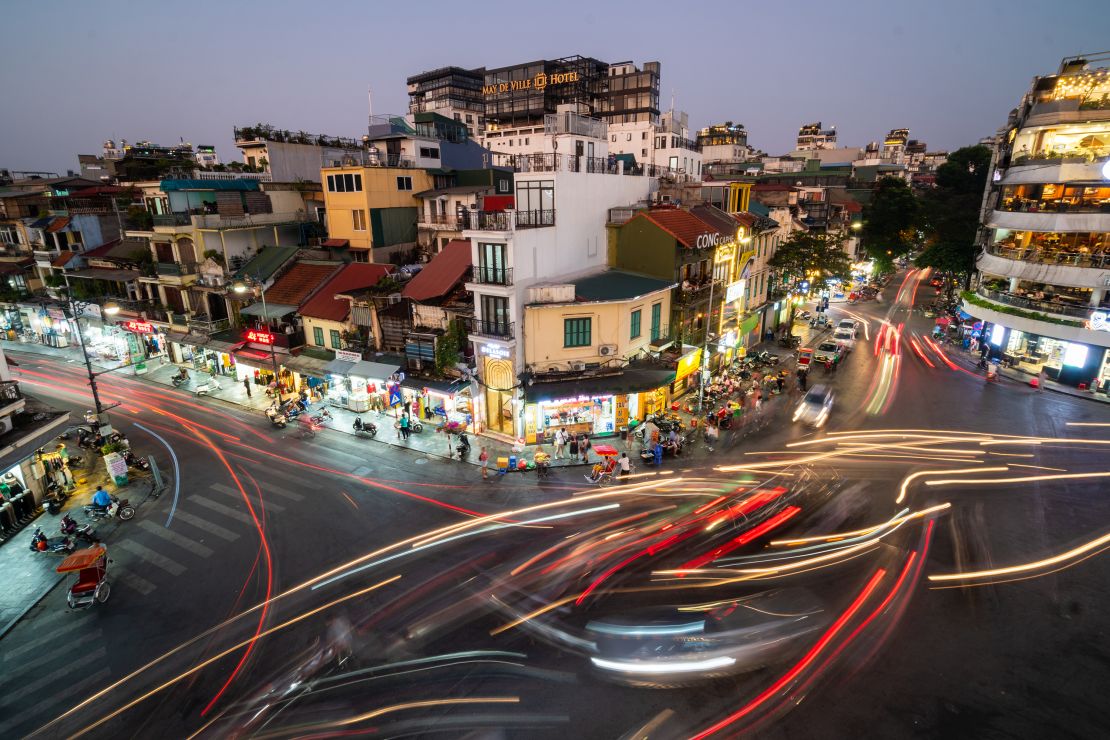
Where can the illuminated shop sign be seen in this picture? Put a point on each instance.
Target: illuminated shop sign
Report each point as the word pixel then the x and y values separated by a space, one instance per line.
pixel 705 241
pixel 688 364
pixel 735 291
pixel 258 337
pixel 495 351
pixel 139 327
pixel 539 82
pixel 1099 321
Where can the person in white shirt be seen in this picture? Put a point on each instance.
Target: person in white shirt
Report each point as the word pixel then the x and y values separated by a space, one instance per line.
pixel 625 464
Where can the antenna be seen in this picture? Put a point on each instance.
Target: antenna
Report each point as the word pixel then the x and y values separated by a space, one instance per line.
pixel 370 103
pixel 672 100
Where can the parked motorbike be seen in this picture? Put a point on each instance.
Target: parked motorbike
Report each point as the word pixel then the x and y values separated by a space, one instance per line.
pixel 415 426
pixel 369 428
pixel 790 342
pixel 463 447
pixel 180 379
pixel 139 463
pixel 276 418
pixel 119 507
pixel 41 543
pixel 321 417
pixel 206 387
pixel 84 532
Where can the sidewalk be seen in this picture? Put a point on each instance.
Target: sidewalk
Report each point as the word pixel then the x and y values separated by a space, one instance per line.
pixel 1021 377
pixel 28 575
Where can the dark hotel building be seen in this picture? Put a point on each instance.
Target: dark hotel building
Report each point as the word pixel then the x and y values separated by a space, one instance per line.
pixel 523 93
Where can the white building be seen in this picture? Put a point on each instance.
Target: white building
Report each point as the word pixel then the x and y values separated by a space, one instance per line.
pixel 666 144
pixel 813 136
pixel 557 231
pixel 293 156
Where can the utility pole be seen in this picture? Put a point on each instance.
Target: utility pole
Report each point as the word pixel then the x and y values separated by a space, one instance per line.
pixel 705 345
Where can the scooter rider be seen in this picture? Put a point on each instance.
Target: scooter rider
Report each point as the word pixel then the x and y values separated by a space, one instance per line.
pixel 101 499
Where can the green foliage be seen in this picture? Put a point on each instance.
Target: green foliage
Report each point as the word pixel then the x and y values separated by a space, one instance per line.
pixel 888 227
pixel 816 257
pixel 140 217
pixel 449 346
pixel 949 214
pixel 110 448
pixel 214 254
pixel 976 300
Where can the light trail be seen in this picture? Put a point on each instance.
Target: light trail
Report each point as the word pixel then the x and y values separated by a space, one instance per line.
pixel 920 474
pixel 861 532
pixel 1094 545
pixel 1023 479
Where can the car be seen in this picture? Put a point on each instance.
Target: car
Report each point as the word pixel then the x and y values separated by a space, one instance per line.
pixel 815 407
pixel 828 350
pixel 845 338
pixel 849 324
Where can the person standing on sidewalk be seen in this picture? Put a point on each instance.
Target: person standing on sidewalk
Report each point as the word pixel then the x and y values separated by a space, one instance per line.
pixel 1040 379
pixel 560 443
pixel 584 447
pixel 405 426
pixel 247 385
pixel 483 458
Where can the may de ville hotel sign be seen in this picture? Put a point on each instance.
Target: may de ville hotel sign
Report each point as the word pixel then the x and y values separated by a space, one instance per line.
pixel 538 82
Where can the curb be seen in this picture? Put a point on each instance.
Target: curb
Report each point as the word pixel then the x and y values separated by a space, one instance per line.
pixel 1006 374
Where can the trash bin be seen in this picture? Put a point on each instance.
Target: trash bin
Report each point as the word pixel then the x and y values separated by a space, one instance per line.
pixel 624 433
pixel 512 462
pixel 503 464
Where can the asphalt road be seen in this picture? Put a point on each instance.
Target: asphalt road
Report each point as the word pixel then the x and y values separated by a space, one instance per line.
pixel 260 512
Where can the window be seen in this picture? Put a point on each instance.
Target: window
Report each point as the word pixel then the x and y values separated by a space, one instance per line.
pixel 495 315
pixel 674 163
pixel 614 137
pixel 576 332
pixel 628 137
pixel 635 331
pixel 404 183
pixel 344 183
pixel 503 185
pixel 358 218
pixel 469 118
pixel 318 336
pixel 535 195
pixel 643 153
pixel 644 135
pixel 429 152
pixel 336 343
pixel 656 318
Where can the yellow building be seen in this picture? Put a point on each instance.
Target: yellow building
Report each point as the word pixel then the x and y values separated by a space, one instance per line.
pixel 579 341
pixel 372 210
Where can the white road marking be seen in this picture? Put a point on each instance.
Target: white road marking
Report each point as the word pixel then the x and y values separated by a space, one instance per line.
pixel 138 583
pixel 234 493
pixel 39 711
pixel 156 559
pixel 170 536
pixel 220 508
pixel 207 526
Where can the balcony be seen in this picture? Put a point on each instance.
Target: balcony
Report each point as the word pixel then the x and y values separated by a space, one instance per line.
pixel 207 326
pixel 1052 257
pixel 492 275
pixel 696 291
pixel 509 220
pixel 1054 308
pixel 1050 222
pixel 484 328
pixel 249 220
pixel 10 396
pixel 175 268
pixel 172 219
pixel 1077 204
pixel 442 221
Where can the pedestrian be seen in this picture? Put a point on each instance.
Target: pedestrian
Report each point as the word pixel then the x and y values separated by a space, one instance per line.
pixel 483 458
pixel 657 452
pixel 835 364
pixel 406 424
pixel 560 443
pixel 1040 379
pixel 625 464
pixel 247 385
pixel 974 346
pixel 584 446
pixel 828 365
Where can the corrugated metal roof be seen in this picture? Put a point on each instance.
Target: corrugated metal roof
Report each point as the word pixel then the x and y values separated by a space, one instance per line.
pixel 617 285
pixel 356 275
pixel 682 225
pixel 441 274
pixel 173 185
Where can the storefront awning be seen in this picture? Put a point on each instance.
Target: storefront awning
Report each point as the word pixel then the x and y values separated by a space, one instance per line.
pixel 632 380
pixel 254 355
pixel 306 365
pixel 444 387
pixel 273 310
pixel 104 273
pixel 338 367
pixel 373 370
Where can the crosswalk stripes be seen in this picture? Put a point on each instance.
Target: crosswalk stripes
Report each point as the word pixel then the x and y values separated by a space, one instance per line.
pixel 283 493
pixel 51 634
pixel 156 559
pixel 138 583
pixel 205 525
pixel 71 668
pixel 221 509
pixel 40 711
pixel 170 536
pixel 234 493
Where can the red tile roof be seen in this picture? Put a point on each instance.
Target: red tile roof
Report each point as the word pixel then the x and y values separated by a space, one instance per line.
pixel 63 259
pixel 682 225
pixel 356 275
pixel 292 288
pixel 58 224
pixel 441 274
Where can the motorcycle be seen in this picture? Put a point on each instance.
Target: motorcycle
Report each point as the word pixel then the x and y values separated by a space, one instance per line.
pixel 54 498
pixel 139 463
pixel 41 543
pixel 790 342
pixel 206 387
pixel 463 447
pixel 321 417
pixel 415 427
pixel 368 428
pixel 85 532
pixel 276 418
pixel 119 507
pixel 180 379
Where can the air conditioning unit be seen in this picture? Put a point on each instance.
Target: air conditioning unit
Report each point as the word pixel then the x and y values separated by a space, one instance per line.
pixel 6 425
pixel 577 366
pixel 607 350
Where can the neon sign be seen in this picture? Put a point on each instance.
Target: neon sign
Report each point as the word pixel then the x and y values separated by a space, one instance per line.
pixel 139 327
pixel 1099 321
pixel 259 337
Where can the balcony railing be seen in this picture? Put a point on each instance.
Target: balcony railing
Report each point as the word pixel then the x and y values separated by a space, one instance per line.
pixel 9 392
pixel 203 325
pixel 1023 205
pixel 493 275
pixel 1049 307
pixel 172 219
pixel 442 219
pixel 175 268
pixel 1050 256
pixel 510 220
pixel 486 328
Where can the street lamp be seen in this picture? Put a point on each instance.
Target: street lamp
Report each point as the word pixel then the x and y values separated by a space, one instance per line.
pixel 245 285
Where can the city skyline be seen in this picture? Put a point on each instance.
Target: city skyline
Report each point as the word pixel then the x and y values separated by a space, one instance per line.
pixel 151 90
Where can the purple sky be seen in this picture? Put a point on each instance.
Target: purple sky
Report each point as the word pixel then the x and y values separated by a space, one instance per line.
pixel 74 74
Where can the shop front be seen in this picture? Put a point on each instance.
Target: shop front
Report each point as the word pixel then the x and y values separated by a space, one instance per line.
pixel 686 373
pixel 1076 364
pixel 499 388
pixel 599 406
pixel 25 480
pixel 442 402
pixel 213 356
pixel 359 385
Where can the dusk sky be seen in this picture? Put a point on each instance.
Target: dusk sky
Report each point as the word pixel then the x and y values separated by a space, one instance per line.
pixel 76 73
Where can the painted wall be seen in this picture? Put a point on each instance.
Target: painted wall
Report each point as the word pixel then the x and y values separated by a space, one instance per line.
pixel 643 247
pixel 611 324
pixel 379 190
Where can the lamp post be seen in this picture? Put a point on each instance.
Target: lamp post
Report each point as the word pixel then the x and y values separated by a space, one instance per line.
pixel 76 308
pixel 248 284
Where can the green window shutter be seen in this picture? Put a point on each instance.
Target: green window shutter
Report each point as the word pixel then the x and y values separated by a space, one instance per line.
pixel 336 343
pixel 318 336
pixel 635 331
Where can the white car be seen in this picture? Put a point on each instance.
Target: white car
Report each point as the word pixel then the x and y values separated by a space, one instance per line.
pixel 815 407
pixel 848 324
pixel 827 350
pixel 845 337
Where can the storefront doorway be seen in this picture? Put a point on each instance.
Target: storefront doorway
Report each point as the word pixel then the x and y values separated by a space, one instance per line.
pixel 499 384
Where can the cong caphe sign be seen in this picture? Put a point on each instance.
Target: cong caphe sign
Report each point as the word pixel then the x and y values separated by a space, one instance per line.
pixel 539 82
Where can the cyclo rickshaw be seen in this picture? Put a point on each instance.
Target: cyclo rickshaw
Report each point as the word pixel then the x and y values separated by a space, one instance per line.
pixel 91 566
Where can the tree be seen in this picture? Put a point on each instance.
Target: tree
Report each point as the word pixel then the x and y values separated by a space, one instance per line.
pixel 889 222
pixel 949 213
pixel 816 258
pixel 448 346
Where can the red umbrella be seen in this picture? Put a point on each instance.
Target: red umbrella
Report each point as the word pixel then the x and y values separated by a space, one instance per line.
pixel 606 450
pixel 944 321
